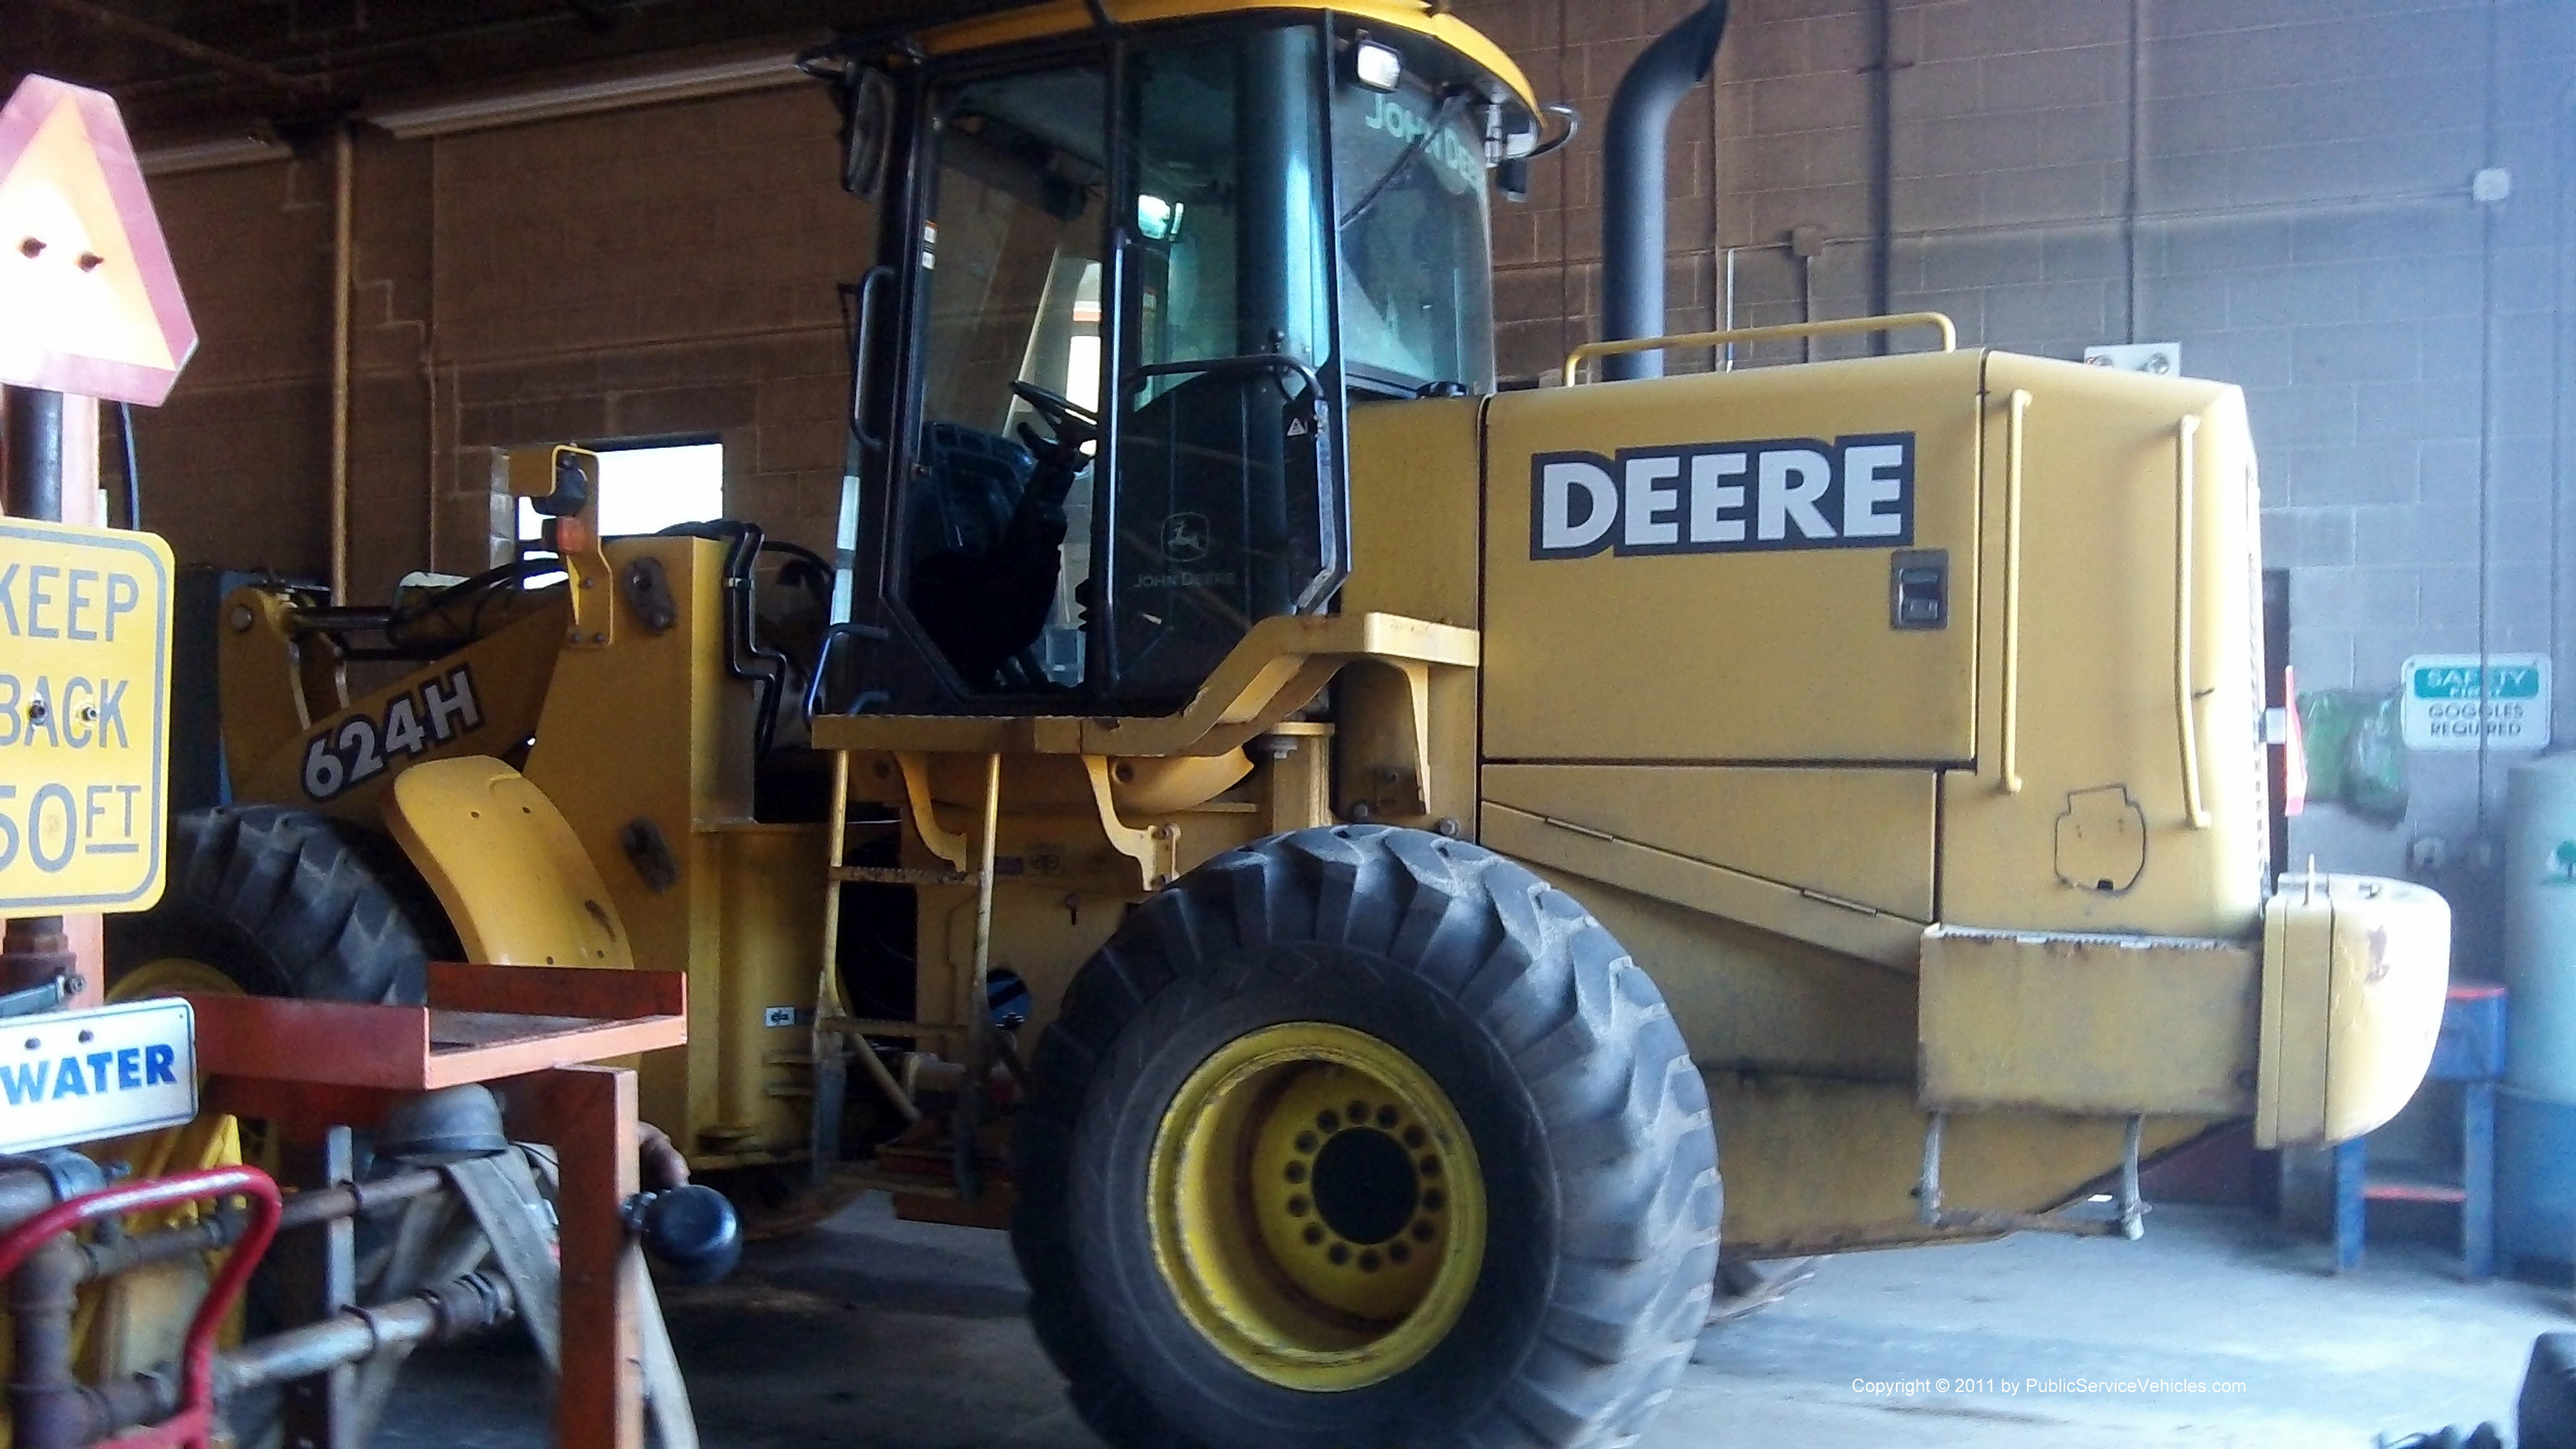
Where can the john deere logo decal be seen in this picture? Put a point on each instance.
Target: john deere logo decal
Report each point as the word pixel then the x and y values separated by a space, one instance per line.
pixel 1783 493
pixel 1185 537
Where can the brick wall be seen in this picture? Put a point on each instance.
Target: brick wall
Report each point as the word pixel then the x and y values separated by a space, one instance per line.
pixel 665 272
pixel 2282 186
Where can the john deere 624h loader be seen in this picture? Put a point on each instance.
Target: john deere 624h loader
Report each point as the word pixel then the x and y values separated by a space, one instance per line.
pixel 1327 850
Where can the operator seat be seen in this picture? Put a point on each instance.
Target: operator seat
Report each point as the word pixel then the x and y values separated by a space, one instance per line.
pixel 986 547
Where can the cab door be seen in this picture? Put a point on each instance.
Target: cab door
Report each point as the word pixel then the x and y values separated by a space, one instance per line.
pixel 1121 241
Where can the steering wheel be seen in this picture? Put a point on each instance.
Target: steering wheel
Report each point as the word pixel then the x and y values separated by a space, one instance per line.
pixel 1075 427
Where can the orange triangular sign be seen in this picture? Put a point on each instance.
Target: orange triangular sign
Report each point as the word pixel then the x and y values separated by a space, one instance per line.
pixel 88 301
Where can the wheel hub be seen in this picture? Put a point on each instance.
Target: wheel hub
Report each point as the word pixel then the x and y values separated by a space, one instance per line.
pixel 1365 1189
pixel 1316 1206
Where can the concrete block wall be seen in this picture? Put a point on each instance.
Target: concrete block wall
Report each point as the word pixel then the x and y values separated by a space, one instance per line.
pixel 2282 186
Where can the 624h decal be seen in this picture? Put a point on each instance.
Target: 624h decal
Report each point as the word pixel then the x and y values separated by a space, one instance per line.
pixel 352 751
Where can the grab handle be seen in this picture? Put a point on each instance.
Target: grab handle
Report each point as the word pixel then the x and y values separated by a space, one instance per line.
pixel 1828 327
pixel 2013 428
pixel 2186 710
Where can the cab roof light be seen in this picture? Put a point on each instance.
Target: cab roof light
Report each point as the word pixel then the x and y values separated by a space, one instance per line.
pixel 1376 65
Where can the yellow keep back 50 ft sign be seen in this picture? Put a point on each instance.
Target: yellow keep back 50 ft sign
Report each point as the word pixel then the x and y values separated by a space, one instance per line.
pixel 84 710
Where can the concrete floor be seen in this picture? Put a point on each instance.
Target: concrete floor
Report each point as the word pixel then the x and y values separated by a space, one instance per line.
pixel 870 1332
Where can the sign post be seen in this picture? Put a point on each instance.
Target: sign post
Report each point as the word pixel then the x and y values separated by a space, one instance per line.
pixel 89 305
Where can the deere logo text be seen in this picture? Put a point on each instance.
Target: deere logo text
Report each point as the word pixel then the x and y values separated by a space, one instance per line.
pixel 1784 493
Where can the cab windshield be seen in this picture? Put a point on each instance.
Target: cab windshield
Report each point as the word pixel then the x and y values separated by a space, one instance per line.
pixel 1416 296
pixel 1126 445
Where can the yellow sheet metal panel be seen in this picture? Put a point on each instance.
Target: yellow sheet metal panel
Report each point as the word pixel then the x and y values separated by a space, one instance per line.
pixel 1417 497
pixel 1415 506
pixel 1278 668
pixel 1860 835
pixel 1750 1000
pixel 2099 836
pixel 2097 1024
pixel 650 731
pixel 773 941
pixel 1816 1166
pixel 256 680
pixel 2354 971
pixel 1811 916
pixel 483 699
pixel 1699 568
pixel 516 883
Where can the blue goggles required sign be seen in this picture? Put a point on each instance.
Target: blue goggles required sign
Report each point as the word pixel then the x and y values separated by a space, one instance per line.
pixel 1769 496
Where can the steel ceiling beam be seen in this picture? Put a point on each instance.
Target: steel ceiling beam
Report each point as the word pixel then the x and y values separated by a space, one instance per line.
pixel 177 44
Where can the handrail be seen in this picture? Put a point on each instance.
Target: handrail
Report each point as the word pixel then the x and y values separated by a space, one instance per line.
pixel 1831 327
pixel 863 332
pixel 2186 712
pixel 2013 428
pixel 1273 362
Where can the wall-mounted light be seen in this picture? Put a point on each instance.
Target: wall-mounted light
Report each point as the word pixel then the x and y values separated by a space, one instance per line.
pixel 619 93
pixel 211 155
pixel 1158 219
pixel 1376 65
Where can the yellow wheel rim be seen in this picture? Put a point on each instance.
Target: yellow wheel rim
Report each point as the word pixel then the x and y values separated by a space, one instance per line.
pixel 252 1142
pixel 170 975
pixel 1316 1206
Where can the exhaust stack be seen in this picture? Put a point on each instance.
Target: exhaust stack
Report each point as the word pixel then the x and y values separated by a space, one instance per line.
pixel 1632 184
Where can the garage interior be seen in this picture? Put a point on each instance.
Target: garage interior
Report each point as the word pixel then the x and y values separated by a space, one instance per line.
pixel 413 234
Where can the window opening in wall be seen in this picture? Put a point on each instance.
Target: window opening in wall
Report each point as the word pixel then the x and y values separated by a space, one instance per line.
pixel 645 488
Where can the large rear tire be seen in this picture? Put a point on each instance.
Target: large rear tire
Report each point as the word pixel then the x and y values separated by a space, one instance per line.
pixel 283 903
pixel 1362 1136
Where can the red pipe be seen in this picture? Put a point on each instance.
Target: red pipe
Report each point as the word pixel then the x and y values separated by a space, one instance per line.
pixel 193 1424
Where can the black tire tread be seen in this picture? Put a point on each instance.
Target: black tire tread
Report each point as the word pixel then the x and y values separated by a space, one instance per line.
pixel 290 903
pixel 1623 1117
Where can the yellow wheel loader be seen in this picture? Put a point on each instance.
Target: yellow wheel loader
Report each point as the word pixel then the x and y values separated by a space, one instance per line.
pixel 1327 850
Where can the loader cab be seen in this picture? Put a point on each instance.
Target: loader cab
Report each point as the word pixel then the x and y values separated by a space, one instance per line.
pixel 1128 282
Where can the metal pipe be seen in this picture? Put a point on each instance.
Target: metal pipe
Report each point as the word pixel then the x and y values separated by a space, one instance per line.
pixel 437 1315
pixel 1807 298
pixel 34 949
pixel 353 1199
pixel 451 1311
pixel 1726 318
pixel 1633 181
pixel 966 1125
pixel 46 1408
pixel 107 1257
pixel 133 470
pixel 2133 193
pixel 344 167
pixel 1882 163
pixel 35 458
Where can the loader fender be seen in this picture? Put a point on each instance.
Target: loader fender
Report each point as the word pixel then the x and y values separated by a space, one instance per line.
pixel 505 863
